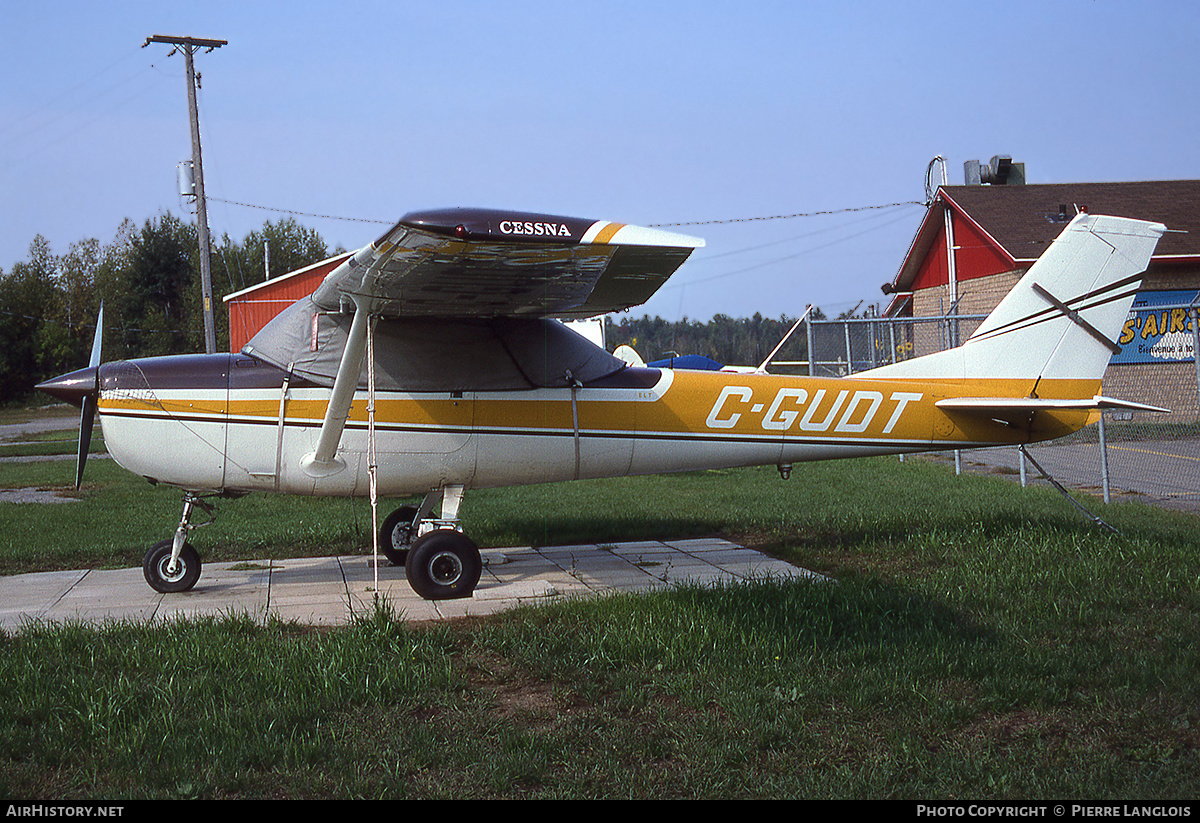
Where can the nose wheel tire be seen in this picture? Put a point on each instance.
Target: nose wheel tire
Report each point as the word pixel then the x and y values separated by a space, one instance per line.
pixel 156 566
pixel 443 564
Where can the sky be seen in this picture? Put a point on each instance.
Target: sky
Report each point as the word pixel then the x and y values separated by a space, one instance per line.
pixel 743 120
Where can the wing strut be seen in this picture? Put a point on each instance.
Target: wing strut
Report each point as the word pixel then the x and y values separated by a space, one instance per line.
pixel 763 368
pixel 324 461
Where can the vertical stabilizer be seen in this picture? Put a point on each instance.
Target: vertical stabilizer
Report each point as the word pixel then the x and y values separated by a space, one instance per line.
pixel 1061 320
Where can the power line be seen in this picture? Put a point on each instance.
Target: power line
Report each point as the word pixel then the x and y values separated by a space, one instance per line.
pixel 299 213
pixel 787 216
pixel 651 225
pixel 708 258
pixel 51 102
pixel 765 263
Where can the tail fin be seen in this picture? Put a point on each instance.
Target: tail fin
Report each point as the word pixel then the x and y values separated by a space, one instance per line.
pixel 1060 320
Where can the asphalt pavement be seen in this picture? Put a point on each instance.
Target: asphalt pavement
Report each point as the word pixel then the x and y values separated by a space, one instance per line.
pixel 1163 473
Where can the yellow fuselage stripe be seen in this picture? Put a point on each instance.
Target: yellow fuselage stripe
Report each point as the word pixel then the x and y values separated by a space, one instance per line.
pixel 710 404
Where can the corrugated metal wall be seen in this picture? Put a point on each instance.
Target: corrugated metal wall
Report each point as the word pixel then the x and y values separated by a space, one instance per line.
pixel 252 308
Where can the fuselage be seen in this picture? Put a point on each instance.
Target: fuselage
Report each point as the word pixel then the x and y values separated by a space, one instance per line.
pixel 235 423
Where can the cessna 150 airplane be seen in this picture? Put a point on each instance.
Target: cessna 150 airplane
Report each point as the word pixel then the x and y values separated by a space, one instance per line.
pixel 431 361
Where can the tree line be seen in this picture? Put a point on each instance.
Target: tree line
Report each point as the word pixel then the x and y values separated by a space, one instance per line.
pixel 728 340
pixel 148 278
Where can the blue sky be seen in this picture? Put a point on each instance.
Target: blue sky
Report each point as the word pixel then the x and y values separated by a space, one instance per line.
pixel 642 112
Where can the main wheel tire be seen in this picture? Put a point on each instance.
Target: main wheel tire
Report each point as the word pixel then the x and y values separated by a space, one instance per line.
pixel 157 560
pixel 443 564
pixel 396 535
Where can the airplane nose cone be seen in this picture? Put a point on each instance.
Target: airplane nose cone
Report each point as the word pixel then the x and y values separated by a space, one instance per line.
pixel 73 387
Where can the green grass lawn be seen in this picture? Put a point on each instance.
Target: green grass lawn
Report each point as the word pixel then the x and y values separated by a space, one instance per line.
pixel 980 641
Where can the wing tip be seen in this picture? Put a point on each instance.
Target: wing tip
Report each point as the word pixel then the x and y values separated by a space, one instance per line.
pixel 603 232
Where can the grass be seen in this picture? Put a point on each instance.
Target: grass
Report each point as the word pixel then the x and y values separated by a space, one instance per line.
pixel 981 641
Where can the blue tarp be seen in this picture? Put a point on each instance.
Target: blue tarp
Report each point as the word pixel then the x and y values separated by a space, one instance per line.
pixel 692 362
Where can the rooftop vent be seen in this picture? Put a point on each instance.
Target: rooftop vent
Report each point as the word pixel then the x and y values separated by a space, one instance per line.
pixel 999 171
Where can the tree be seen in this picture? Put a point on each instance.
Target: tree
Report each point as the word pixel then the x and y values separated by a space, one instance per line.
pixel 147 278
pixel 291 247
pixel 159 310
pixel 70 318
pixel 25 294
pixel 728 340
pixel 286 245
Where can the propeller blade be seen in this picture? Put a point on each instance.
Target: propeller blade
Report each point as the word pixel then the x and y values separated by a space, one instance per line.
pixel 88 414
pixel 86 418
pixel 95 358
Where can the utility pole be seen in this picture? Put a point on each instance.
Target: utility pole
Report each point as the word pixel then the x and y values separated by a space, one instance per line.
pixel 188 46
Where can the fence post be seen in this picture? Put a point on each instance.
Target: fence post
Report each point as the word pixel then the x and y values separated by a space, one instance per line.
pixel 1195 313
pixel 849 354
pixel 812 352
pixel 1104 460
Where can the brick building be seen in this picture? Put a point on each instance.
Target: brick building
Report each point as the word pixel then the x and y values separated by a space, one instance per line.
pixel 977 240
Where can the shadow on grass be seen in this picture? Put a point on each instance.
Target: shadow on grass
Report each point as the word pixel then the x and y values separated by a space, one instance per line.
pixel 562 529
pixel 846 614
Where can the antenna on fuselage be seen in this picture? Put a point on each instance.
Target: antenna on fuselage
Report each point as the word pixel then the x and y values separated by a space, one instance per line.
pixel 762 369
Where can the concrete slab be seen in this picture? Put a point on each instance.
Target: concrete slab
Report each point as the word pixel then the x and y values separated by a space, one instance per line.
pixel 330 591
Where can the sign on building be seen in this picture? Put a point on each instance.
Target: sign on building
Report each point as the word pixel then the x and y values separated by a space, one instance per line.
pixel 1158 329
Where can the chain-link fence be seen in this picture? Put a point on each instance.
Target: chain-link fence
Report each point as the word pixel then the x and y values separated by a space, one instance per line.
pixel 1124 455
pixel 838 348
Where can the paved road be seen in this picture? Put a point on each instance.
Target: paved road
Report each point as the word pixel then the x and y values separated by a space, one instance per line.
pixel 39 425
pixel 1159 472
pixel 17 432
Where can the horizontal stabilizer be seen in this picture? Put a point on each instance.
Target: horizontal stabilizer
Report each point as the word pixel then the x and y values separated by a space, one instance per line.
pixel 1009 405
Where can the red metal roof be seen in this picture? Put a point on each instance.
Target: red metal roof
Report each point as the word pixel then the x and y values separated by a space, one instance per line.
pixel 251 309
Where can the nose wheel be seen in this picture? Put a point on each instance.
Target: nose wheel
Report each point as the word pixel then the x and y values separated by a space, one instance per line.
pixel 173 565
pixel 167 575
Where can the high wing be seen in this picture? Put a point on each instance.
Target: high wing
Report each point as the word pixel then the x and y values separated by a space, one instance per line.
pixel 463 265
pixel 490 263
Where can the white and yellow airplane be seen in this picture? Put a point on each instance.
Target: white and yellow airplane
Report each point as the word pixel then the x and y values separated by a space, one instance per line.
pixel 432 362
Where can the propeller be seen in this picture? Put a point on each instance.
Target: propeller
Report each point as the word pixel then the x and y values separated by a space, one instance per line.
pixel 87 415
pixel 81 388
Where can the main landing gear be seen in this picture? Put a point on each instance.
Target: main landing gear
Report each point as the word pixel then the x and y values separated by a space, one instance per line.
pixel 440 562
